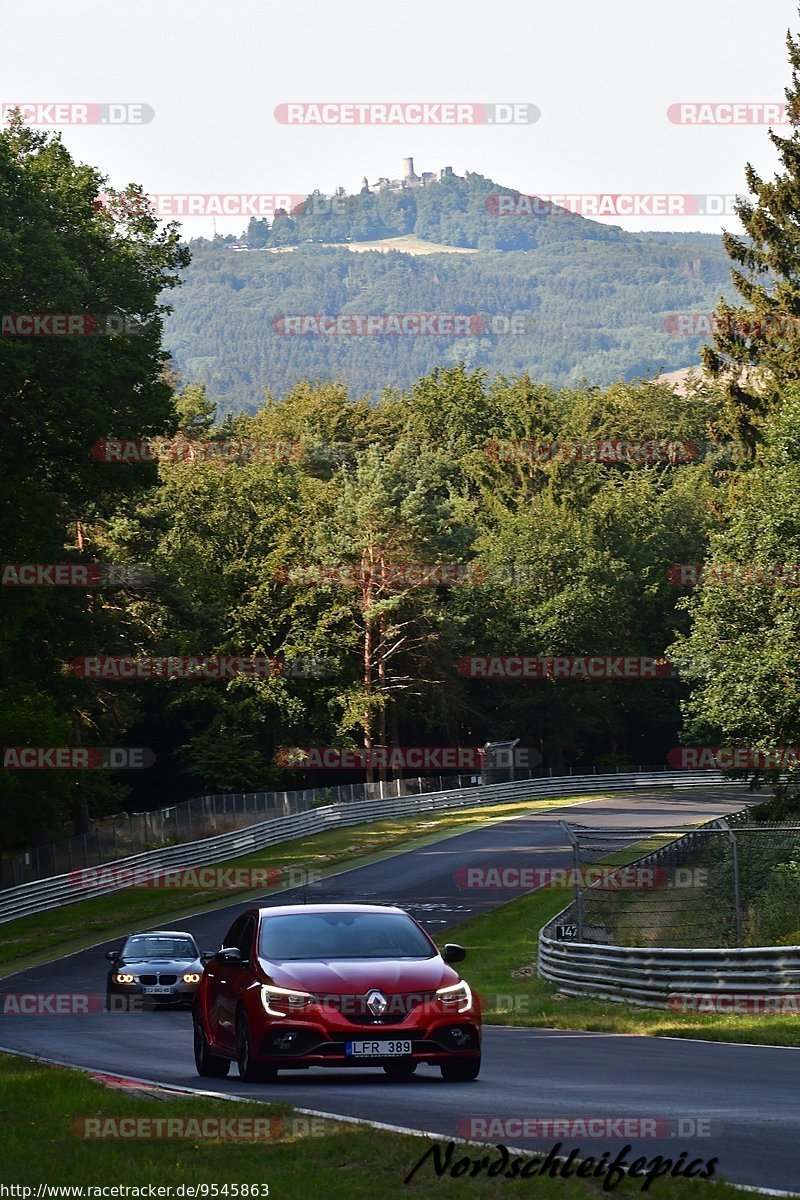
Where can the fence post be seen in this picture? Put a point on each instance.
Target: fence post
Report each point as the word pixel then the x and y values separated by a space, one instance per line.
pixel 572 838
pixel 737 893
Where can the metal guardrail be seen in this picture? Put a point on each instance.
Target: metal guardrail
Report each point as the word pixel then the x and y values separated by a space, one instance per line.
pixel 649 976
pixel 61 890
pixel 201 817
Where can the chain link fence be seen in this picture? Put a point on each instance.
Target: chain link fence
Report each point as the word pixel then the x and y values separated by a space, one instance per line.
pixel 727 884
pixel 204 816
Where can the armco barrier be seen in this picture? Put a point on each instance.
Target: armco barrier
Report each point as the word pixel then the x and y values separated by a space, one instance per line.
pixel 60 890
pixel 648 976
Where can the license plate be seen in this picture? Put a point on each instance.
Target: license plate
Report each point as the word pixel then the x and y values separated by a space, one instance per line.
pixel 158 991
pixel 377 1049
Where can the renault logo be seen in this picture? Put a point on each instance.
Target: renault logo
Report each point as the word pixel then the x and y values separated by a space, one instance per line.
pixel 377 1003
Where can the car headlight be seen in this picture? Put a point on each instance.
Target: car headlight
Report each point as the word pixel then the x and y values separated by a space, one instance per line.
pixel 456 995
pixel 192 977
pixel 280 1001
pixel 124 978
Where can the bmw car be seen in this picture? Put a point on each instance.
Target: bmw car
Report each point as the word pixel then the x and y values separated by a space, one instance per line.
pixel 334 985
pixel 160 966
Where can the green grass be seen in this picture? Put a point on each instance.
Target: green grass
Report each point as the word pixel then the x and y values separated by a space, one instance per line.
pixel 28 941
pixel 502 949
pixel 40 1105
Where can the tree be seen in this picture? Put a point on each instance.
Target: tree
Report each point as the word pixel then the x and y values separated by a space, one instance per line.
pixel 284 230
pixel 396 509
pixel 755 344
pixel 195 414
pixel 258 233
pixel 101 268
pixel 741 653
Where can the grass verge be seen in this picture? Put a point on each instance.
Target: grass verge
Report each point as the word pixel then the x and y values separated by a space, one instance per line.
pixel 40 1106
pixel 28 941
pixel 501 965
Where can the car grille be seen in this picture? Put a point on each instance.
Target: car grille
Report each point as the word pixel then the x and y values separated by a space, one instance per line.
pixel 354 1008
pixel 149 980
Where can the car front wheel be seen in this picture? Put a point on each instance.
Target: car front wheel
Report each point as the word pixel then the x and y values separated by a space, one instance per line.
pixel 207 1064
pixel 400 1071
pixel 249 1071
pixel 461 1070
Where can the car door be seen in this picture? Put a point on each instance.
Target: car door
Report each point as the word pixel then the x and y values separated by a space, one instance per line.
pixel 232 977
pixel 218 974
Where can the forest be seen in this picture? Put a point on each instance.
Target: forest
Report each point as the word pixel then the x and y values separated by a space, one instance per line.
pixel 381 534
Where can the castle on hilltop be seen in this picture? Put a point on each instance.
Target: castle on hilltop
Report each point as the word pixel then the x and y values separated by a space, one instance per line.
pixel 409 179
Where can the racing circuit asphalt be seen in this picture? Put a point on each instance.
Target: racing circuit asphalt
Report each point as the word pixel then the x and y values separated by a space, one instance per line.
pixel 744 1097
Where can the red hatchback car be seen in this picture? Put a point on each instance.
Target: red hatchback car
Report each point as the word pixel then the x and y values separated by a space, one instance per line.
pixel 334 985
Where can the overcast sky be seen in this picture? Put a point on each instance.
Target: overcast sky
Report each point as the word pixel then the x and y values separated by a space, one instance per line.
pixel 602 75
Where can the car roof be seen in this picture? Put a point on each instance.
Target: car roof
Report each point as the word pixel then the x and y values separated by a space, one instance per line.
pixel 162 933
pixel 291 909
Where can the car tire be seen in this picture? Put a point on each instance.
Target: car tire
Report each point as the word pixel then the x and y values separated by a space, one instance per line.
pixel 249 1071
pixel 399 1072
pixel 210 1065
pixel 462 1070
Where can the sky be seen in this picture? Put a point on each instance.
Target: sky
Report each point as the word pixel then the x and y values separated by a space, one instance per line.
pixel 602 76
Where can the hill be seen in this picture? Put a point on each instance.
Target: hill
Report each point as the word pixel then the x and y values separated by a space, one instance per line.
pixel 557 296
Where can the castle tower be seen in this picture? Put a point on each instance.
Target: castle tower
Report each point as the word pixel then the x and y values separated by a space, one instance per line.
pixel 408 169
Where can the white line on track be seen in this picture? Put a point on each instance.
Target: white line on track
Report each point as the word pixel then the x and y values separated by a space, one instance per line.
pixel 337 1117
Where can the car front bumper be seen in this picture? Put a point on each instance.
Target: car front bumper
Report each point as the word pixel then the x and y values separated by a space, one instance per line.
pixel 134 996
pixel 306 1044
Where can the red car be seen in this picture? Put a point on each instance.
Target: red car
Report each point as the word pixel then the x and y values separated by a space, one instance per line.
pixel 334 985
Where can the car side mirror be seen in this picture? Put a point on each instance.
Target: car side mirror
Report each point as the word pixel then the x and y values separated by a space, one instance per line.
pixel 112 955
pixel 207 955
pixel 229 954
pixel 453 953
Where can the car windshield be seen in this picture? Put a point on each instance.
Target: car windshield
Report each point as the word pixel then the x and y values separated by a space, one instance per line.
pixel 154 946
pixel 342 935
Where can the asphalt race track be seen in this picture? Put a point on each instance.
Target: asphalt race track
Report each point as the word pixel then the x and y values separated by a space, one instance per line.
pixel 737 1102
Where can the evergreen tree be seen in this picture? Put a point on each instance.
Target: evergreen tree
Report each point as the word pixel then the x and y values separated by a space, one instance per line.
pixel 756 346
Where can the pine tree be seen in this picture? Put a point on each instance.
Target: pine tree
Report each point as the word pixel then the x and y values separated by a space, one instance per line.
pixel 756 345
